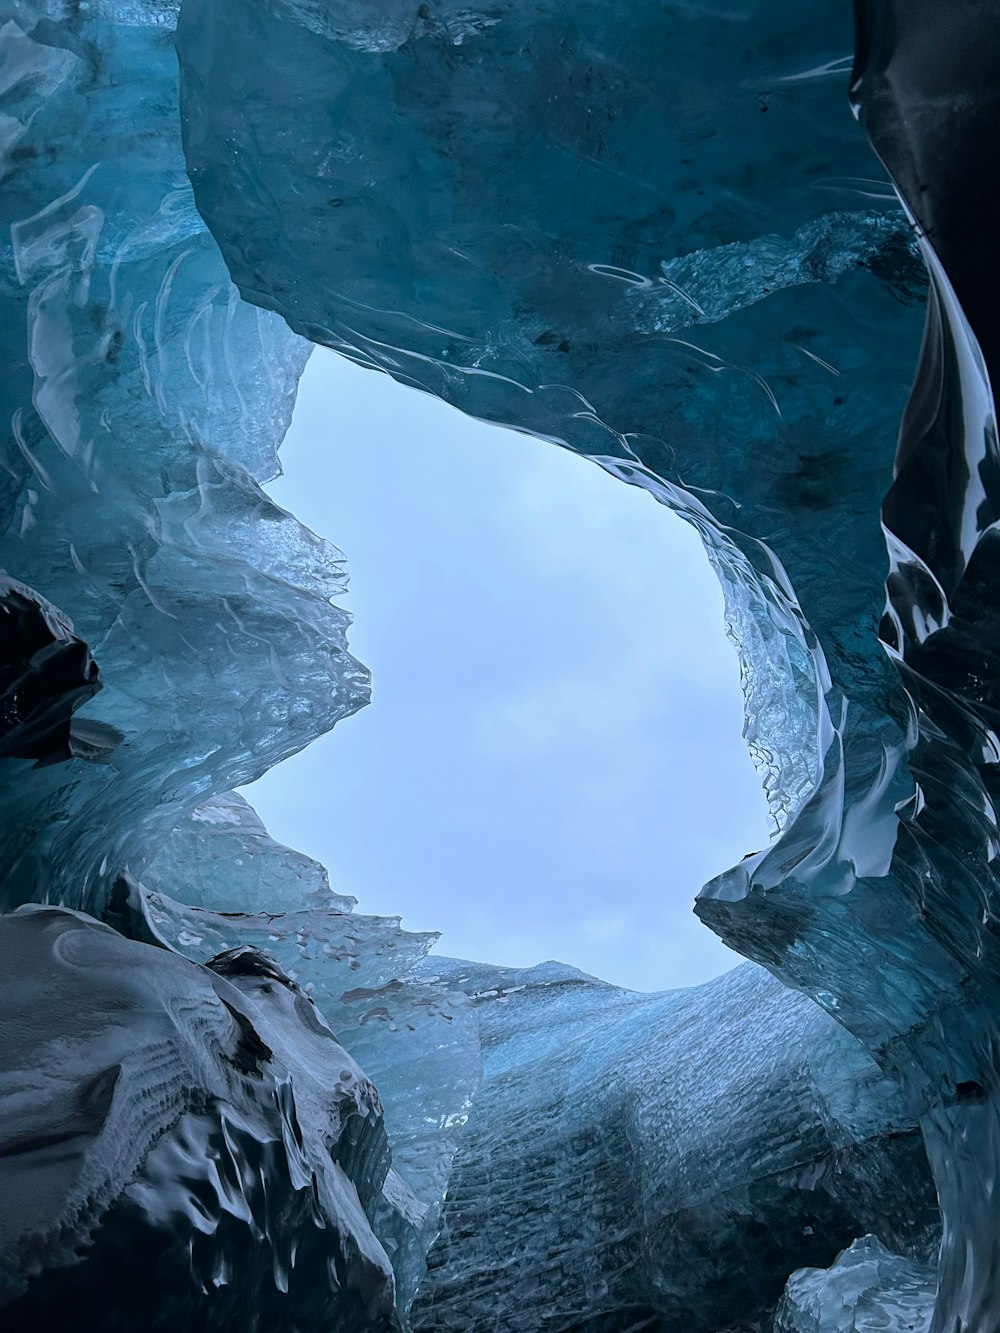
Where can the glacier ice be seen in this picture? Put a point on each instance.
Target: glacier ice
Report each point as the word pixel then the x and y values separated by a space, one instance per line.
pixel 432 252
pixel 143 403
pixel 197 1134
pixel 480 210
pixel 413 1034
pixel 866 1290
pixel 657 1161
pixel 653 235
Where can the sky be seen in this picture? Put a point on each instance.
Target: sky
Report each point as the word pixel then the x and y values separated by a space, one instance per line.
pixel 552 761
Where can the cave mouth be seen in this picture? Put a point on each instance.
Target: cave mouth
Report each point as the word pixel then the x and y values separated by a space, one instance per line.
pixel 556 710
pixel 218 596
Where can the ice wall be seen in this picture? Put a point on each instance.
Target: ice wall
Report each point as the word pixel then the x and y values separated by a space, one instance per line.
pixel 167 632
pixel 658 238
pixel 714 288
pixel 143 402
pixel 662 1161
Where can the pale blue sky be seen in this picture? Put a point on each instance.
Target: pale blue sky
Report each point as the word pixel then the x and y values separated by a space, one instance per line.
pixel 552 763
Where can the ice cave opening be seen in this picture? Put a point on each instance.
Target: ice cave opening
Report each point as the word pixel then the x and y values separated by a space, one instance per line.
pixel 657 234
pixel 498 583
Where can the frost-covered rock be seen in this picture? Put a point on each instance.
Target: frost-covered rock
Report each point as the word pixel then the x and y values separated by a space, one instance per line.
pixel 46 674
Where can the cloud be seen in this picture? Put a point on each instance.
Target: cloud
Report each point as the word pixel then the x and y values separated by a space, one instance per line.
pixel 552 760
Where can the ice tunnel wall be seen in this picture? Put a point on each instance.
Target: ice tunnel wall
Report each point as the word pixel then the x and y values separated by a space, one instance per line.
pixel 145 402
pixel 665 244
pixel 545 309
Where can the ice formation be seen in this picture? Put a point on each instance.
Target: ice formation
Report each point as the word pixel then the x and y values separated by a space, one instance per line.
pixel 144 402
pixel 867 1290
pixel 412 1033
pixel 200 1132
pixel 616 1171
pixel 652 234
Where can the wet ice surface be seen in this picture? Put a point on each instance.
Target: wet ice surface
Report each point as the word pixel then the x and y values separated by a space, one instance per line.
pixel 143 402
pixel 198 1135
pixel 559 172
pixel 417 1038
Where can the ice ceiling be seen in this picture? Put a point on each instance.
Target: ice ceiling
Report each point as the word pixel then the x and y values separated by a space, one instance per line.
pixel 652 234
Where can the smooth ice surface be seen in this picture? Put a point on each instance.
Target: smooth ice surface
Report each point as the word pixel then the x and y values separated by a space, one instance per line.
pixel 434 250
pixel 661 1161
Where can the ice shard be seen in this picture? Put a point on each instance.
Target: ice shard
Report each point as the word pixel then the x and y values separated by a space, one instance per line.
pixel 865 1290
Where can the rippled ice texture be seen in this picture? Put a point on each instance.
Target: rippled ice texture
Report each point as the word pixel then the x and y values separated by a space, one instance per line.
pixel 144 403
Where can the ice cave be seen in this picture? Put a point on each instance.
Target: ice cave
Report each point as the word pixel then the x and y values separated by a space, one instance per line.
pixel 736 254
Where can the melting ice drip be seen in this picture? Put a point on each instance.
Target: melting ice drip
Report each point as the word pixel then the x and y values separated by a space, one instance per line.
pixel 656 239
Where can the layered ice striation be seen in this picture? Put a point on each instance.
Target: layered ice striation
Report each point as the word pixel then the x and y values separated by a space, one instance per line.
pixel 662 1162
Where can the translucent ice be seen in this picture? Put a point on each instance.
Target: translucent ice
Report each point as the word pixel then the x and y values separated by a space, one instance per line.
pixel 866 1290
pixel 522 215
pixel 144 402
pixel 417 1037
